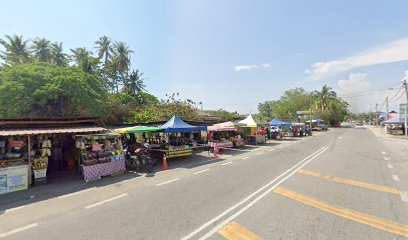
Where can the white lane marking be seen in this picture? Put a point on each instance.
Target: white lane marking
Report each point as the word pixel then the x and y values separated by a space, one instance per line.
pixel 13 209
pixel 163 183
pixel 395 177
pixel 386 159
pixel 205 170
pixel 280 146
pixel 18 230
pixel 390 166
pixel 226 163
pixel 340 138
pixel 106 201
pixel 245 157
pixel 76 193
pixel 215 219
pixel 259 153
pixel 404 196
pixel 270 150
pixel 384 153
pixel 235 215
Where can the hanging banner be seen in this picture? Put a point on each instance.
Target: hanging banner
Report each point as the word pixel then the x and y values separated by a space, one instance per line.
pixel 13 144
pixel 13 179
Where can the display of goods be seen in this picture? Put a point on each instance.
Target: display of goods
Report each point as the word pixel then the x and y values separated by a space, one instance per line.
pixel 39 165
pixel 88 162
pixel 91 155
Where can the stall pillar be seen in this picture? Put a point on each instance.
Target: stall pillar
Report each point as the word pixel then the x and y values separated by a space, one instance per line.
pixel 29 160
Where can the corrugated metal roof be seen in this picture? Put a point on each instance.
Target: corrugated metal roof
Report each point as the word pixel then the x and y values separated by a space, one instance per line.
pixel 35 131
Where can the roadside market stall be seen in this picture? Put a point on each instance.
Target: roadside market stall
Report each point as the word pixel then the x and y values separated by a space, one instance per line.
pixel 249 131
pixel 179 137
pixel 278 127
pixel 100 155
pixel 28 156
pixel 394 126
pixel 224 135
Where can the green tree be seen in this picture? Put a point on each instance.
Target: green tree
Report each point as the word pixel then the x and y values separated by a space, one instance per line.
pixel 224 114
pixel 58 56
pixel 16 50
pixel 42 49
pixel 84 60
pixel 293 100
pixel 134 83
pixel 104 49
pixel 325 98
pixel 46 90
pixel 265 108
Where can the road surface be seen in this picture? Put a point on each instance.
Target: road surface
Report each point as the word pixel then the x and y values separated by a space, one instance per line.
pixel 342 184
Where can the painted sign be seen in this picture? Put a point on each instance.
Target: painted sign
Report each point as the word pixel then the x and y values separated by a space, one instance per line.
pixel 13 179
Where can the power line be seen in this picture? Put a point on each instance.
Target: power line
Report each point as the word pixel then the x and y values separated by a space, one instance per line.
pixel 361 94
pixel 396 100
pixel 399 90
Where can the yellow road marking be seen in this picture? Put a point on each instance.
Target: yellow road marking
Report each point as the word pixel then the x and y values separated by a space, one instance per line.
pixel 234 231
pixel 386 225
pixel 350 182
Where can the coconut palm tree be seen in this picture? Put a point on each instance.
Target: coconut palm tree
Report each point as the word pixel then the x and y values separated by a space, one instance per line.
pixel 42 49
pixel 325 98
pixel 59 58
pixel 104 48
pixel 16 50
pixel 119 64
pixel 84 60
pixel 134 83
pixel 121 57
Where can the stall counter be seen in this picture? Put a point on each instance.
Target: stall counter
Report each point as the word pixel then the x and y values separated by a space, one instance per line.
pixel 96 171
pixel 13 178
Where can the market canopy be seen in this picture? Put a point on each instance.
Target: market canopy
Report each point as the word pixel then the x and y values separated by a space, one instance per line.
pixel 225 126
pixel 277 122
pixel 175 124
pixel 138 129
pixel 392 121
pixel 35 131
pixel 249 121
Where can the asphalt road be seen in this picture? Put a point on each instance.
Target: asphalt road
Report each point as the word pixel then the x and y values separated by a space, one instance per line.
pixel 339 184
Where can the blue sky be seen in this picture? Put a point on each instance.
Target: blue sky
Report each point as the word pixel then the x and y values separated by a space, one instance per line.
pixel 235 54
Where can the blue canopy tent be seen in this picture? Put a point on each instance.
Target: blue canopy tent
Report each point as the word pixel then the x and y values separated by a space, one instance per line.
pixel 392 121
pixel 277 122
pixel 175 124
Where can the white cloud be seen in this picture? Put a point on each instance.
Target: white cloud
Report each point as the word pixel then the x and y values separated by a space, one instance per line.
pixel 355 84
pixel 391 52
pixel 252 66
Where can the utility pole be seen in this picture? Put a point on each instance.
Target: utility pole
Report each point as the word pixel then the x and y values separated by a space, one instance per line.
pixel 406 107
pixel 310 119
pixel 386 106
pixel 376 114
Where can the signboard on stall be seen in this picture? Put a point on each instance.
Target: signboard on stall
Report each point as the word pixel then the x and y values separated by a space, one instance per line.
pixel 96 147
pixel 13 144
pixel 13 179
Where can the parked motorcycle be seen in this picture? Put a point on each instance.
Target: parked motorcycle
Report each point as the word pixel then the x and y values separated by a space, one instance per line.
pixel 140 160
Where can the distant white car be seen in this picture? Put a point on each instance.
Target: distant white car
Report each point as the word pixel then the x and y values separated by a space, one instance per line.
pixel 359 125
